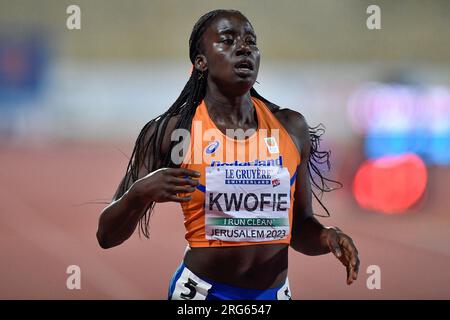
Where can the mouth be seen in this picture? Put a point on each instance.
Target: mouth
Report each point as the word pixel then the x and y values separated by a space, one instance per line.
pixel 244 64
pixel 244 67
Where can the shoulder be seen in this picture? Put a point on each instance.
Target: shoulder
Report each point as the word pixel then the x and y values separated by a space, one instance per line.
pixel 292 121
pixel 171 126
pixel 160 129
pixel 296 125
pixel 154 140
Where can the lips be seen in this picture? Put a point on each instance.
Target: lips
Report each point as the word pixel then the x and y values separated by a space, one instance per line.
pixel 244 65
pixel 244 68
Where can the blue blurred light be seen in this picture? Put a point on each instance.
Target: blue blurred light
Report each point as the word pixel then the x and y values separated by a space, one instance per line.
pixel 397 119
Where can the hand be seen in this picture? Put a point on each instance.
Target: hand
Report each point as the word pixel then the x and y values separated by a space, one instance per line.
pixel 164 184
pixel 344 249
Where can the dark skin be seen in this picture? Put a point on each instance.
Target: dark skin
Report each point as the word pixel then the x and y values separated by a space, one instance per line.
pixel 229 39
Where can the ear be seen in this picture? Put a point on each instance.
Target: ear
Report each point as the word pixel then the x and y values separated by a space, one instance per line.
pixel 200 63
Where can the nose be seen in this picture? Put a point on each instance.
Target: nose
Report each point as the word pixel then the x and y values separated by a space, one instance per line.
pixel 243 49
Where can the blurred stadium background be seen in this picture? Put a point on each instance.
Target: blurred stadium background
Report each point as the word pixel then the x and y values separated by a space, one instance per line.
pixel 73 101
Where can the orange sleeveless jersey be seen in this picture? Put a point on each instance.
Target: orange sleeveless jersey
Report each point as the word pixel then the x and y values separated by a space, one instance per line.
pixel 216 150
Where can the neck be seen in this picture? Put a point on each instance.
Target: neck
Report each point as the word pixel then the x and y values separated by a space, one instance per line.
pixel 233 110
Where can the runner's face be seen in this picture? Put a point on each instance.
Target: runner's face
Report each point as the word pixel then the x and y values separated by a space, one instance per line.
pixel 230 51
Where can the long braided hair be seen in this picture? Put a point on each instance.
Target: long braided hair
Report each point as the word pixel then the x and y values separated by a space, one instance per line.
pixel 148 143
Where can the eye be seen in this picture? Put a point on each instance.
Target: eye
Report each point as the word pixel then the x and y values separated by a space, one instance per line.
pixel 251 41
pixel 228 41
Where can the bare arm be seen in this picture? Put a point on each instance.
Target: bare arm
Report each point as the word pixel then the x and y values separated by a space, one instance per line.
pixel 119 219
pixel 309 236
pixel 307 231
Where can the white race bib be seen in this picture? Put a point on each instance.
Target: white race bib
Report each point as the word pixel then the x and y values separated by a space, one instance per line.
pixel 247 203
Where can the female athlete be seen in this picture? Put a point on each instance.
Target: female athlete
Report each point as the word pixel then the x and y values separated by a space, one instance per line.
pixel 242 209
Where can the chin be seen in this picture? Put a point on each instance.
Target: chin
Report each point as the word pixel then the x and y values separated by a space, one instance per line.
pixel 243 85
pixel 236 84
pixel 248 79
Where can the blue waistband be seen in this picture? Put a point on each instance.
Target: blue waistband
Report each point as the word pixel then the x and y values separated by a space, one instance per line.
pixel 221 291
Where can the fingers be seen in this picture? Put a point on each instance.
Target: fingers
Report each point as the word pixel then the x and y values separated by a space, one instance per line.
pixel 174 190
pixel 183 172
pixel 179 181
pixel 356 269
pixel 173 194
pixel 351 258
pixel 186 189
pixel 349 274
pixel 179 199
pixel 184 181
pixel 355 263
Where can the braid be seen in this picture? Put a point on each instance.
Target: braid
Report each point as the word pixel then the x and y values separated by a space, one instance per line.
pixel 317 158
pixel 149 141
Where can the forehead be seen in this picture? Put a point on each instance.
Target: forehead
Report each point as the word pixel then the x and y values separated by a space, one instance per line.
pixel 229 22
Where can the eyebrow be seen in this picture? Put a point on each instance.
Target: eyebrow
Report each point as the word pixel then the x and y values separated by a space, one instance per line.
pixel 229 30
